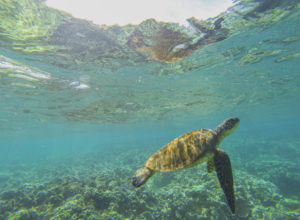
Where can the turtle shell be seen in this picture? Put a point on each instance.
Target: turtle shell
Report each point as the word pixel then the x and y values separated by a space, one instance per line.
pixel 186 150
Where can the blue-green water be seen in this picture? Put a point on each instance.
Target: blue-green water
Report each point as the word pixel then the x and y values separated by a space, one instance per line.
pixel 81 111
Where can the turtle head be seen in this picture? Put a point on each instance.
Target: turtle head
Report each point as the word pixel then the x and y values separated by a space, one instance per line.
pixel 141 176
pixel 227 127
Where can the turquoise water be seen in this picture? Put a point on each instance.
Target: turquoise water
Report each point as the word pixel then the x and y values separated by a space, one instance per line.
pixel 83 107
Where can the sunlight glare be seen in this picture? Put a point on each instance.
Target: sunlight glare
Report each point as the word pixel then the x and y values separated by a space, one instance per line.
pixel 123 12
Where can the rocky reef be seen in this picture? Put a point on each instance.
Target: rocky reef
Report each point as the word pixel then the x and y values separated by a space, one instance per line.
pixel 84 188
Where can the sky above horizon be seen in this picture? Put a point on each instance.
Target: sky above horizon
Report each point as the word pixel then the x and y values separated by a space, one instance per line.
pixel 123 12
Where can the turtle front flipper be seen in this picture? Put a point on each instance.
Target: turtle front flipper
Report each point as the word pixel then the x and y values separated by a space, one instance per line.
pixel 224 173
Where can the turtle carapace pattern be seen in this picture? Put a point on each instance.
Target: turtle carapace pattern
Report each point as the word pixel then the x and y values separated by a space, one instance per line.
pixel 192 149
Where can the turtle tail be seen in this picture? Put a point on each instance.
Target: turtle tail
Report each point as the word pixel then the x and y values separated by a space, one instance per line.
pixel 224 173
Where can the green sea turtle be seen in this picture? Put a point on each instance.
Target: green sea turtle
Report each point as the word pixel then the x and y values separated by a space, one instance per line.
pixel 192 149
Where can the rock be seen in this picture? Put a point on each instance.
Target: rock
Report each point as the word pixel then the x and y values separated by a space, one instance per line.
pixel 56 200
pixel 41 197
pixel 9 195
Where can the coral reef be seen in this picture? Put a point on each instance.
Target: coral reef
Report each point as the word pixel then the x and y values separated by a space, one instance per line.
pixel 280 166
pixel 91 190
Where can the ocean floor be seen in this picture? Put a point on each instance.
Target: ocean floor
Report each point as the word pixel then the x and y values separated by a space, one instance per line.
pixel 98 186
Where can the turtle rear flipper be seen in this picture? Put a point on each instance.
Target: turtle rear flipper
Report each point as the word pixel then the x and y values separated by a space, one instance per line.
pixel 141 176
pixel 224 173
